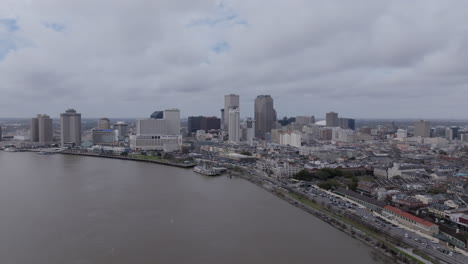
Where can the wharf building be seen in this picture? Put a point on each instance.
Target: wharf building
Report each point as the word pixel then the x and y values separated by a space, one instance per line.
pixel 265 115
pixel 161 133
pixel 70 128
pixel 231 101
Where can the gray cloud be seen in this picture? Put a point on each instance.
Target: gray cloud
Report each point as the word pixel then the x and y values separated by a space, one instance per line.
pixel 363 58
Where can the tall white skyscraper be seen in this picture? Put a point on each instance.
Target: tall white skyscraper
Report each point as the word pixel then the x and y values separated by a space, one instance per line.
pixel 234 125
pixel 70 128
pixel 230 101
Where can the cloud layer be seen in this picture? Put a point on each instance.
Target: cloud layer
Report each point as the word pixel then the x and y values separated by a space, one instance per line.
pixel 118 58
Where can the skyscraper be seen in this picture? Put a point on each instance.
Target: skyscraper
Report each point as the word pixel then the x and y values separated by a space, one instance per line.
pixel 265 115
pixel 230 101
pixel 332 119
pixel 46 129
pixel 122 129
pixel 34 129
pixel 234 125
pixel 70 128
pixel 42 129
pixel 422 128
pixel 103 123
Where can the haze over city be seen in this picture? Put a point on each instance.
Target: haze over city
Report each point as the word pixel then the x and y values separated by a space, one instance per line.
pixel 363 58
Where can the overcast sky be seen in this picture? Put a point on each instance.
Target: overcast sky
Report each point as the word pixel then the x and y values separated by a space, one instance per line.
pixel 121 58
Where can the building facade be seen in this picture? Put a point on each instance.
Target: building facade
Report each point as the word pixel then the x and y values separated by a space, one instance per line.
pixel 332 119
pixel 422 128
pixel 70 128
pixel 265 115
pixel 234 125
pixel 230 101
pixel 104 137
pixel 104 123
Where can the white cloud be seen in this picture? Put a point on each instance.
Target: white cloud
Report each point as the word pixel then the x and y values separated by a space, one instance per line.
pixel 128 58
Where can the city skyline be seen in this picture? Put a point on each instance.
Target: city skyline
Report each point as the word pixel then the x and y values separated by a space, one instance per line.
pixel 371 59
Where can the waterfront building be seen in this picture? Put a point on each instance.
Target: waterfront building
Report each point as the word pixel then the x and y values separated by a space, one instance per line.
pixel 70 128
pixel 158 134
pixel 104 123
pixel 332 119
pixel 41 129
pixel 34 129
pixel 121 130
pixel 234 125
pixel 104 137
pixel 231 101
pixel 265 115
pixel 422 128
pixel 410 220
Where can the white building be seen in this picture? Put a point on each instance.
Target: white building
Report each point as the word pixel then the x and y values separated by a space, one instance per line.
pixel 231 101
pixel 402 133
pixel 291 138
pixel 248 132
pixel 234 125
pixel 158 134
pixel 70 128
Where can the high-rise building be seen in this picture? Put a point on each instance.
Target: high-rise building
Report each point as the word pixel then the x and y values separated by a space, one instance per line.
pixel 265 115
pixel 158 134
pixel 34 129
pixel 222 118
pixel 422 128
pixel 70 128
pixel 332 119
pixel 196 123
pixel 121 129
pixel 234 125
pixel 305 120
pixel 157 115
pixel 42 129
pixel 230 101
pixel 347 123
pixel 103 123
pixel 248 132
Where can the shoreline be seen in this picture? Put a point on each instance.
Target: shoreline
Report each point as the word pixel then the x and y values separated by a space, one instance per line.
pixel 333 221
pixel 173 164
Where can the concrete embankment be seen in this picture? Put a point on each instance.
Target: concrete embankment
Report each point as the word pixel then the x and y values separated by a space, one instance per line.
pixel 161 162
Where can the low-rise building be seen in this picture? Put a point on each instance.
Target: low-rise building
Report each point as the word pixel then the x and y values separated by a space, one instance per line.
pixel 410 220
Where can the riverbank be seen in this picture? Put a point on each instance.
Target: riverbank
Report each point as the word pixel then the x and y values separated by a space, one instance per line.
pixel 384 246
pixel 156 161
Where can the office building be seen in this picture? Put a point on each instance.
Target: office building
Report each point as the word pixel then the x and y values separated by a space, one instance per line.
pixel 452 133
pixel 158 133
pixel 34 129
pixel 347 123
pixel 332 119
pixel 234 125
pixel 42 129
pixel 422 128
pixel 157 115
pixel 103 137
pixel 305 120
pixel 248 132
pixel 196 123
pixel 70 128
pixel 402 133
pixel 121 130
pixel 103 123
pixel 265 115
pixel 222 119
pixel 230 101
pixel 291 138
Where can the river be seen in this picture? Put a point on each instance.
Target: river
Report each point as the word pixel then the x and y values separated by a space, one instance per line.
pixel 80 210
